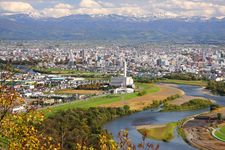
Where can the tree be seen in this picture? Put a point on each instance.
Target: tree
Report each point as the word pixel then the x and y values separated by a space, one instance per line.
pixel 126 108
pixel 20 130
pixel 125 143
pixel 219 116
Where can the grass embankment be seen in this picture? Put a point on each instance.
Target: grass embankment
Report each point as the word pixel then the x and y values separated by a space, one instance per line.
pixel 190 105
pixel 75 73
pixel 187 82
pixel 159 132
pixel 57 71
pixel 101 100
pixel 71 91
pixel 180 129
pixel 220 133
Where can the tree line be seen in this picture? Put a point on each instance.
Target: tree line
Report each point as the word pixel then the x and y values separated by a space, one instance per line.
pixel 216 87
pixel 81 126
pixel 184 76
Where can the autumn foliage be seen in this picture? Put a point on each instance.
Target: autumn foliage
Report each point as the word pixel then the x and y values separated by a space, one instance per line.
pixel 18 131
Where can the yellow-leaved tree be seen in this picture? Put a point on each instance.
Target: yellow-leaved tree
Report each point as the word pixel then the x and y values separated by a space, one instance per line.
pixel 19 131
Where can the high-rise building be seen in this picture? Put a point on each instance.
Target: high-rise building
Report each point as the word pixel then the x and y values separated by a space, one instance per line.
pixel 71 63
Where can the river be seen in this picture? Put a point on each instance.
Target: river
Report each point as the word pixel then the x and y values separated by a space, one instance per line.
pixel 155 117
pixel 25 68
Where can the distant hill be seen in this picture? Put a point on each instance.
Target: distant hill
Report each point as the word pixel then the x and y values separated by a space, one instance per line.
pixel 112 27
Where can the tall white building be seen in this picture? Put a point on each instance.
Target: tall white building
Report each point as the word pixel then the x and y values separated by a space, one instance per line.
pixel 122 81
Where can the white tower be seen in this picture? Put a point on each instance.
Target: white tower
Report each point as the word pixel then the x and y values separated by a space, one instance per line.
pixel 125 69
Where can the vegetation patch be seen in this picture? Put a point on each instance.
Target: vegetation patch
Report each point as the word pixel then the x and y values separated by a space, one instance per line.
pixel 184 76
pixel 216 87
pixel 157 103
pixel 191 105
pixel 159 132
pixel 180 130
pixel 74 73
pixel 186 82
pixel 220 133
pixel 71 91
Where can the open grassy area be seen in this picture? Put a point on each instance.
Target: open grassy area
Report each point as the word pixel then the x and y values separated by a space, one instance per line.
pixel 75 73
pixel 159 132
pixel 192 82
pixel 58 71
pixel 148 88
pixel 141 102
pixel 71 91
pixel 101 100
pixel 220 133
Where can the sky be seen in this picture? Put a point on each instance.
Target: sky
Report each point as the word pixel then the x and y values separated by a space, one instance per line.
pixel 132 8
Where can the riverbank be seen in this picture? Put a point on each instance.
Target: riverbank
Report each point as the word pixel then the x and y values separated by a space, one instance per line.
pixel 162 132
pixel 197 130
pixel 192 104
pixel 201 83
pixel 184 99
pixel 138 103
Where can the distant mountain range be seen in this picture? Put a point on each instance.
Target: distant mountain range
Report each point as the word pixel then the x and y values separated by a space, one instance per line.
pixel 113 27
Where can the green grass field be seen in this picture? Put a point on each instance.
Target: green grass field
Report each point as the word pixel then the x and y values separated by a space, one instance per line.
pixel 163 133
pixel 197 82
pixel 75 73
pixel 97 101
pixel 221 133
pixel 63 71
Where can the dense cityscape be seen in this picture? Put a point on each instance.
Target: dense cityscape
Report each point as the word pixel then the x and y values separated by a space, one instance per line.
pixel 37 81
pixel 143 60
pixel 112 75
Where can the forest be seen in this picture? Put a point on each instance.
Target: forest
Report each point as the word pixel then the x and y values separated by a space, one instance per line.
pixel 81 126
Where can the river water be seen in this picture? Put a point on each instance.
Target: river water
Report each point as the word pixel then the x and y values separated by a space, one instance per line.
pixel 25 68
pixel 155 117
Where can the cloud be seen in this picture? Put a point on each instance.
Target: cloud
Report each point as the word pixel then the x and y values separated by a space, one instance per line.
pixel 134 11
pixel 124 10
pixel 63 6
pixel 199 8
pixel 89 4
pixel 16 7
pixel 189 8
pixel 59 10
pixel 143 8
